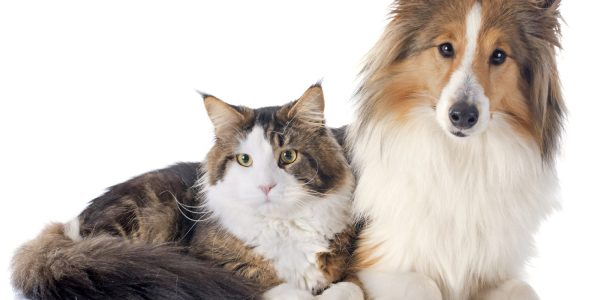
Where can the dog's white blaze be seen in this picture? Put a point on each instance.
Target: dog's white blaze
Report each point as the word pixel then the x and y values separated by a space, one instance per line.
pixel 463 80
pixel 472 28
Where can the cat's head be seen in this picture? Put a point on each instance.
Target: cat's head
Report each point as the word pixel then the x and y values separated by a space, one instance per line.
pixel 273 160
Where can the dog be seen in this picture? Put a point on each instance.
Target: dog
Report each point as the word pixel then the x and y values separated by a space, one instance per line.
pixel 459 118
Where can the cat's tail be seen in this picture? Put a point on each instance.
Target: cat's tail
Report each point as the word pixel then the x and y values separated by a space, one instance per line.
pixel 53 266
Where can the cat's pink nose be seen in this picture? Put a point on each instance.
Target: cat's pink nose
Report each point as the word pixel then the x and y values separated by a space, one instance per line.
pixel 267 188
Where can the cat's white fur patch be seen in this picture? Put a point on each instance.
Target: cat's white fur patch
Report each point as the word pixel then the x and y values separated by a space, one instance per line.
pixel 289 230
pixel 71 230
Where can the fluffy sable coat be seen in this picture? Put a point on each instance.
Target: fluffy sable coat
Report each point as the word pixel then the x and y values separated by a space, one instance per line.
pixel 269 210
pixel 459 119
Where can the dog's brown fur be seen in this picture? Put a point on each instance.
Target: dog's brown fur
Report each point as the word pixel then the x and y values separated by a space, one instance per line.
pixel 404 70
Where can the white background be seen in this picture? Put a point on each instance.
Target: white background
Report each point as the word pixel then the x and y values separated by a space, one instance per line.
pixel 94 92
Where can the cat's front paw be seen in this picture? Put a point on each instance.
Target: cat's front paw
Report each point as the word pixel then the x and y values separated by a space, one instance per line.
pixel 287 291
pixel 512 289
pixel 342 291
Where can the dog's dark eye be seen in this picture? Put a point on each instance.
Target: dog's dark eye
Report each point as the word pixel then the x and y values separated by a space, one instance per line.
pixel 446 50
pixel 498 57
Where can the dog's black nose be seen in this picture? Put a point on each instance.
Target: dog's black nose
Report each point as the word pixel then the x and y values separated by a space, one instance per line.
pixel 463 115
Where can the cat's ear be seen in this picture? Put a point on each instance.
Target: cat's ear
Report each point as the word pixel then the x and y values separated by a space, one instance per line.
pixel 310 107
pixel 222 115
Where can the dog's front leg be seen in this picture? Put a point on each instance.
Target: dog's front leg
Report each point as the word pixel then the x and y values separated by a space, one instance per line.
pixel 402 286
pixel 512 289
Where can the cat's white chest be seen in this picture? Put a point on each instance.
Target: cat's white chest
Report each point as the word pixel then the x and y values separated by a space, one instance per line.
pixel 292 244
pixel 293 252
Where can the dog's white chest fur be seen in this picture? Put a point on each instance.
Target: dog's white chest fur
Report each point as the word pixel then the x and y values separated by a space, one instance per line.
pixel 463 212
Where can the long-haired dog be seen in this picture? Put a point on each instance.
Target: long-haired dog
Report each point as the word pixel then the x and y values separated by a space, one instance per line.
pixel 459 119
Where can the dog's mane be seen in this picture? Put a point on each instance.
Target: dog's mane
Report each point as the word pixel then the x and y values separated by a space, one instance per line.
pixel 537 36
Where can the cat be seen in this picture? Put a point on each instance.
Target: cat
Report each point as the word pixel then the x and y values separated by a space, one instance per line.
pixel 267 214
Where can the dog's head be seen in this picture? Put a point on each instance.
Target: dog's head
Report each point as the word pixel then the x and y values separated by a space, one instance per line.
pixel 473 63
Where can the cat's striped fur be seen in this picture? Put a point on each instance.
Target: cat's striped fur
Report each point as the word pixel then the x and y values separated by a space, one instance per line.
pixel 154 236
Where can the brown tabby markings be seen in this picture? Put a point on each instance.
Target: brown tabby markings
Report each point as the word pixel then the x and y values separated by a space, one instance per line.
pixel 286 128
pixel 300 130
pixel 156 221
pixel 165 208
pixel 38 253
pixel 227 251
pixel 141 209
pixel 53 266
pixel 336 262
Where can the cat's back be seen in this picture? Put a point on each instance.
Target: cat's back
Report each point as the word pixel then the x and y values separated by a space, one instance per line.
pixel 158 206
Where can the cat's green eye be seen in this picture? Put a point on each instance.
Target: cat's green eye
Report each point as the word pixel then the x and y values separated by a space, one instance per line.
pixel 244 160
pixel 288 156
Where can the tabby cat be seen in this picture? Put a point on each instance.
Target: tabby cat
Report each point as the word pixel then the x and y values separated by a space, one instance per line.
pixel 268 211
